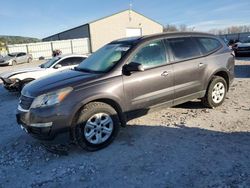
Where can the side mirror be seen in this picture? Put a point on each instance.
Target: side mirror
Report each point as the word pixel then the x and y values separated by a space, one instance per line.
pixel 58 66
pixel 133 67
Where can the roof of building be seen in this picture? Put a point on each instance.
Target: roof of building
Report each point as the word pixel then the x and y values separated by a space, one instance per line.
pixel 102 19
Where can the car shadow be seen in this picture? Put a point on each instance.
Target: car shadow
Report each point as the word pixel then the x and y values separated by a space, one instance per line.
pixel 191 105
pixel 242 71
pixel 6 95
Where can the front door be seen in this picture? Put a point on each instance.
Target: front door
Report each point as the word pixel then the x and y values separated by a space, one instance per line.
pixel 154 85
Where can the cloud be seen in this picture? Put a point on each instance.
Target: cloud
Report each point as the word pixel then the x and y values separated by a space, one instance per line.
pixel 217 24
pixel 231 7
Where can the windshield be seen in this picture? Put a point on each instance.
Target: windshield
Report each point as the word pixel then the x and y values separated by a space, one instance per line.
pixel 12 55
pixel 245 39
pixel 105 58
pixel 50 62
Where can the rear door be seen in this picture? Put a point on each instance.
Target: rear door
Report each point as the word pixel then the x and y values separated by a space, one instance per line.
pixel 155 84
pixel 187 65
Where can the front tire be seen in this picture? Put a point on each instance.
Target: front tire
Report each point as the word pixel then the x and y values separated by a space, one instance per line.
pixel 14 63
pixel 97 126
pixel 29 60
pixel 216 92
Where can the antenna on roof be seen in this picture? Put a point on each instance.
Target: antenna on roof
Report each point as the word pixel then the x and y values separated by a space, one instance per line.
pixel 130 9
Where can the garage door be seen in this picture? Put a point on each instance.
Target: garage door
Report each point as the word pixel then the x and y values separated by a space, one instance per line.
pixel 133 32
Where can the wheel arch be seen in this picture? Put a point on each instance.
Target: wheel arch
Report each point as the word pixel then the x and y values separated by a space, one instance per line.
pixel 222 73
pixel 105 99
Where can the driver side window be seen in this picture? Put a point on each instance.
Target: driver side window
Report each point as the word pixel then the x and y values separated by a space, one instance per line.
pixel 151 55
pixel 65 62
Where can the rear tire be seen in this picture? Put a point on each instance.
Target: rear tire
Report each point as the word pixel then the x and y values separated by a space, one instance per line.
pixel 96 127
pixel 216 92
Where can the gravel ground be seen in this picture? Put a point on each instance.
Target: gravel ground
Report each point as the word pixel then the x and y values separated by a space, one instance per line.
pixel 183 146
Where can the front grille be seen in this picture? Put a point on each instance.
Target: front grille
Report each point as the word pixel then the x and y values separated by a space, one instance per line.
pixel 25 102
pixel 244 48
pixel 35 130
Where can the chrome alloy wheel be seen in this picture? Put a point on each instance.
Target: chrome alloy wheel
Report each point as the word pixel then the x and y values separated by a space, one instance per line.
pixel 218 92
pixel 98 128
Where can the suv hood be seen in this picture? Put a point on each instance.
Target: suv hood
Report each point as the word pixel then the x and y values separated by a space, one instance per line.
pixel 59 80
pixel 20 71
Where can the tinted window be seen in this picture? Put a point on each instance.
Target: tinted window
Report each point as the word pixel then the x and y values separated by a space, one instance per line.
pixel 20 54
pixel 151 55
pixel 12 55
pixel 76 60
pixel 184 48
pixel 71 61
pixel 208 44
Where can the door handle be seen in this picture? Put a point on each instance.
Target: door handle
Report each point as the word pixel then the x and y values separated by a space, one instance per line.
pixel 201 64
pixel 165 73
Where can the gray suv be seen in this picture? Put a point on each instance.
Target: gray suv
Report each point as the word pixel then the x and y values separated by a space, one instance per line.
pixel 123 80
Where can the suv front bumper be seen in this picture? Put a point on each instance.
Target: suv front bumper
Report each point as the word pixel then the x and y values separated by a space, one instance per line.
pixel 43 124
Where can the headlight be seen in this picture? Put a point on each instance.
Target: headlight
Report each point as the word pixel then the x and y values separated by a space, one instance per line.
pixel 51 98
pixel 14 80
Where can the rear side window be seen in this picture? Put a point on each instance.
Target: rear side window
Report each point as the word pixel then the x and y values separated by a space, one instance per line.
pixel 67 61
pixel 208 45
pixel 184 48
pixel 20 54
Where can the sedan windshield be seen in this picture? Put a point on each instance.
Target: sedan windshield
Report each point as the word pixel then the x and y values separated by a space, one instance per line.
pixel 50 62
pixel 12 55
pixel 105 58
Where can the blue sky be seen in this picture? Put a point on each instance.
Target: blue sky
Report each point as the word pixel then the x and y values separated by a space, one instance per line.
pixel 42 18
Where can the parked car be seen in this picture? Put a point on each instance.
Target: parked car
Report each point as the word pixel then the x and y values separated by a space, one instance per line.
pixel 242 48
pixel 125 79
pixel 16 58
pixel 15 80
